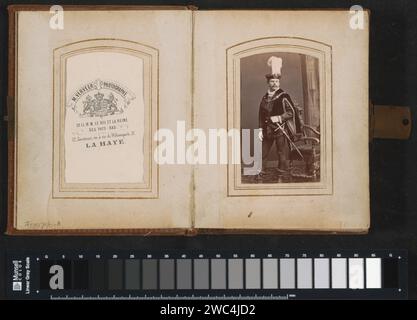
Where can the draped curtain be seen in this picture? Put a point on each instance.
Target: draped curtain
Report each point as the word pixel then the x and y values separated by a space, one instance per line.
pixel 311 90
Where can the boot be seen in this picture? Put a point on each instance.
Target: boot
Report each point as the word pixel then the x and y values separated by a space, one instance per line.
pixel 283 167
pixel 263 170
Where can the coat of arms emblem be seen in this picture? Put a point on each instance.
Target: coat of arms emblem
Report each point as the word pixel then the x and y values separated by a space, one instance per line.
pixel 100 106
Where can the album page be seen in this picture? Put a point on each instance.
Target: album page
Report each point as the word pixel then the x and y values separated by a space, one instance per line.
pixel 289 89
pixel 89 100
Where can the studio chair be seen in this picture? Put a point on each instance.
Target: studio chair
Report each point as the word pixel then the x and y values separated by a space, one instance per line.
pixel 306 168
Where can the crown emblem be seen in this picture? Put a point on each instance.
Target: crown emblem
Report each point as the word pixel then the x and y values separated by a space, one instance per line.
pixel 99 96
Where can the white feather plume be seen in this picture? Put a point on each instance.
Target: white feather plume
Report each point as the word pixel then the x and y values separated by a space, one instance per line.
pixel 276 64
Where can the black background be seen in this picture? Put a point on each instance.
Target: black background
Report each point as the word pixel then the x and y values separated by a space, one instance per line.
pixel 393 75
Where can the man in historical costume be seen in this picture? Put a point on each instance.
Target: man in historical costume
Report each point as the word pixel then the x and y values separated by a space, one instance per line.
pixel 279 119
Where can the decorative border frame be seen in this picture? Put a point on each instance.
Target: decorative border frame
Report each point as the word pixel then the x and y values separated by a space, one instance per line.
pixel 147 189
pixel 323 53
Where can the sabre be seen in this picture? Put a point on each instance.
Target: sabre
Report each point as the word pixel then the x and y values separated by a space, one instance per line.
pixel 289 139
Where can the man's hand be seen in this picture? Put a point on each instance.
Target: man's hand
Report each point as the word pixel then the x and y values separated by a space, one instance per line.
pixel 261 135
pixel 276 119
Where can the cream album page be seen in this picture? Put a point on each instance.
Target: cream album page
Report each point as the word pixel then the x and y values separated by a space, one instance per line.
pixel 290 91
pixel 90 98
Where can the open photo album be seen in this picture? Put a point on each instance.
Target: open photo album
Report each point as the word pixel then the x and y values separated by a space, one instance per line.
pixel 179 121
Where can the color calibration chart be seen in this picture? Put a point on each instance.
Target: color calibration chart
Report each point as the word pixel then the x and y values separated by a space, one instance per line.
pixel 208 275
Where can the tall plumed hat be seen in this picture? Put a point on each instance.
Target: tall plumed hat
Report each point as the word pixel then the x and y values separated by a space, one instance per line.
pixel 275 64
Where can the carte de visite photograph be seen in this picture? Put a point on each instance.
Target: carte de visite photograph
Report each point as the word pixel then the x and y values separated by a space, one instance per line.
pixel 281 97
pixel 286 87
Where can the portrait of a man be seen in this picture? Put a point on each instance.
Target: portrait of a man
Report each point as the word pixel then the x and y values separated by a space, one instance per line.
pixel 278 120
pixel 282 105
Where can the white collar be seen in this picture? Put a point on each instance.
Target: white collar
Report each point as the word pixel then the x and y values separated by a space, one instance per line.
pixel 271 93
